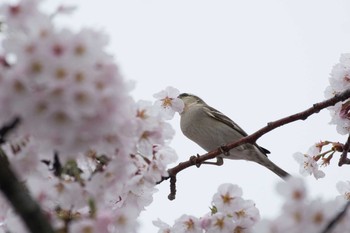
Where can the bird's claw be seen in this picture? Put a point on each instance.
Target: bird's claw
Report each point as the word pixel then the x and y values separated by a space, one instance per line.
pixel 194 160
pixel 224 150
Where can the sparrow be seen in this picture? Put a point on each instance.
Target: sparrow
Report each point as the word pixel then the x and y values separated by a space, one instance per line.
pixel 211 129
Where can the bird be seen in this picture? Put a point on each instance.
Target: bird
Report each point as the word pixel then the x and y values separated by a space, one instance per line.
pixel 211 129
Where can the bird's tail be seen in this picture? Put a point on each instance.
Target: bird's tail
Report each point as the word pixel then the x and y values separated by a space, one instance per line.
pixel 277 170
pixel 266 162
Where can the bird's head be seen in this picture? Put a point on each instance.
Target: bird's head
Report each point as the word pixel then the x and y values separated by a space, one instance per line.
pixel 190 100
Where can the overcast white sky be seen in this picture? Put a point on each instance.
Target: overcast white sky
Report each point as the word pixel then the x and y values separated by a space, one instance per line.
pixel 254 60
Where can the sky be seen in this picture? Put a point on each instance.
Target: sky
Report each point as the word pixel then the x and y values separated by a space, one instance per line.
pixel 255 60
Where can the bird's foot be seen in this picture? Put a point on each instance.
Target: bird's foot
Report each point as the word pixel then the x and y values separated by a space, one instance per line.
pixel 223 148
pixel 194 160
pixel 219 162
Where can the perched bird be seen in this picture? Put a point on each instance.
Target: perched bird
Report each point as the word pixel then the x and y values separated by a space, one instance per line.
pixel 211 129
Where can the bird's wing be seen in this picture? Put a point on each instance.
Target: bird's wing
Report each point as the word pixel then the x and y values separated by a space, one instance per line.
pixel 217 115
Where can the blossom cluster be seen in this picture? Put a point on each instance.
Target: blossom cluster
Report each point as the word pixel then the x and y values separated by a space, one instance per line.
pixel 230 213
pixel 64 87
pixel 86 150
pixel 300 213
pixel 340 81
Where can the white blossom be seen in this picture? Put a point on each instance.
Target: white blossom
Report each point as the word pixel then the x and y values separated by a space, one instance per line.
pixel 227 197
pixel 168 102
pixel 187 224
pixel 308 163
pixel 339 82
pixel 343 188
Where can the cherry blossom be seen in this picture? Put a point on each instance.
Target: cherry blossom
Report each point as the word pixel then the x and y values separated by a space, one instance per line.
pixel 168 102
pixel 84 147
pixel 229 213
pixel 343 188
pixel 163 227
pixel 187 224
pixel 63 85
pixel 228 195
pixel 308 163
pixel 220 223
pixel 302 214
pixel 340 81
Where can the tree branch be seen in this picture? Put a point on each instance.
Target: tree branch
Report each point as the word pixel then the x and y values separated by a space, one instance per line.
pixel 7 128
pixel 336 219
pixel 255 136
pixel 17 194
pixel 20 199
pixel 344 156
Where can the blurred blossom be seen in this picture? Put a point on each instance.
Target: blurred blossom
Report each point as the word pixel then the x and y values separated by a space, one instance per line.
pixel 65 88
pixel 298 214
pixel 84 148
pixel 293 190
pixel 230 213
pixel 301 214
pixel 86 225
pixel 152 129
pixel 343 188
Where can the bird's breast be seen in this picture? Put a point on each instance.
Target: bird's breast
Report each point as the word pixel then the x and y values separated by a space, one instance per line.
pixel 206 131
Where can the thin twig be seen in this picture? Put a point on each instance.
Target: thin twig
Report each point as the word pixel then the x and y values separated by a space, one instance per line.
pixel 255 136
pixel 16 193
pixel 344 156
pixel 336 219
pixel 172 188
